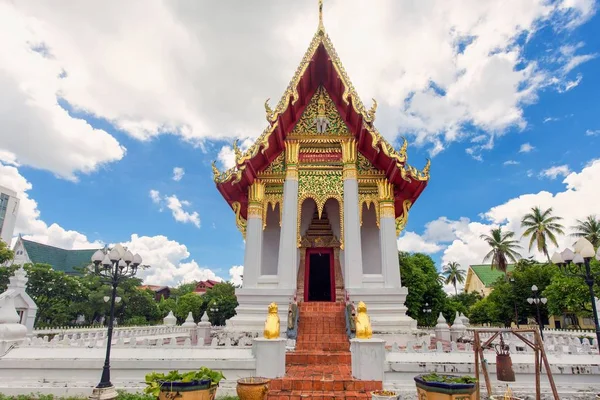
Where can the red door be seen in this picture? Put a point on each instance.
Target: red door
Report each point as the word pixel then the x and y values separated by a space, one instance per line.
pixel 319 278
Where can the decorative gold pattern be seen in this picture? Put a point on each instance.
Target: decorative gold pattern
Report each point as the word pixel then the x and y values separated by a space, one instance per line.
pixel 403 218
pixel 321 186
pixel 277 166
pixel 387 209
pixel 255 210
pixel 349 151
pixel 349 172
pixel 292 148
pixel 239 220
pixel 371 112
pixel 272 199
pixel 321 106
pixel 271 116
pixel 256 192
pixel 365 166
pixel 368 199
pixel 385 190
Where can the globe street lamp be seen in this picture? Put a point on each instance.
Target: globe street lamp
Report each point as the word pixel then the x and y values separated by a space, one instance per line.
pixel 427 310
pixel 537 300
pixel 577 264
pixel 112 267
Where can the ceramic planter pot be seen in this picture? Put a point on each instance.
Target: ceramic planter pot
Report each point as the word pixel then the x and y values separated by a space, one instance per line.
pixel 384 395
pixel 196 390
pixel 444 391
pixel 501 397
pixel 253 388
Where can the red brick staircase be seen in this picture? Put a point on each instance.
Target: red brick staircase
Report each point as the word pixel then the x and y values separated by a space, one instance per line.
pixel 320 367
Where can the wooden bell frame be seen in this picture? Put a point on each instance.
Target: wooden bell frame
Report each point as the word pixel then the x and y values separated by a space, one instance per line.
pixel 539 353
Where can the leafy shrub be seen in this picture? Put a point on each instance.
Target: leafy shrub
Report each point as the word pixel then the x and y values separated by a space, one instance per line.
pixel 433 377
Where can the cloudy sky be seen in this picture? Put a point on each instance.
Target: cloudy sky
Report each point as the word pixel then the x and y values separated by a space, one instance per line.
pixel 111 113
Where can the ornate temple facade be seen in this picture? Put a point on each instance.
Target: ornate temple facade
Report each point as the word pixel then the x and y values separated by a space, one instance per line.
pixel 320 199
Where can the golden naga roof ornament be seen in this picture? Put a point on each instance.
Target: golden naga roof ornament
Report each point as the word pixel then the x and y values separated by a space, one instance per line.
pixel 215 170
pixel 237 151
pixel 271 115
pixel 321 26
pixel 371 112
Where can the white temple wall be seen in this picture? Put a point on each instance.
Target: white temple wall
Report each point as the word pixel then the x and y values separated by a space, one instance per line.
pixel 371 246
pixel 271 236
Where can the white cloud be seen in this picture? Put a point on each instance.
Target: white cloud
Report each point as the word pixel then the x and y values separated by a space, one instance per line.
pixel 179 214
pixel 226 156
pixel 570 84
pixel 165 73
pixel 155 196
pixel 168 260
pixel 511 162
pixel 550 119
pixel 591 132
pixel 178 173
pixel 36 130
pixel 411 242
pixel 555 172
pixel 176 205
pixel 235 274
pixel 28 219
pixel 526 148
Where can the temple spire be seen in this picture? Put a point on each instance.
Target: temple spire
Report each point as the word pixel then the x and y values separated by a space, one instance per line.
pixel 321 26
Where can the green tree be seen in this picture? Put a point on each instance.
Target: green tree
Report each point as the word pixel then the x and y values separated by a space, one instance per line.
pixel 539 227
pixel 186 303
pixel 504 248
pixel 467 299
pixel 222 297
pixel 589 229
pixel 481 312
pixel 166 305
pixel 183 289
pixel 453 274
pixel 139 305
pixel 420 276
pixel 5 274
pixel 6 254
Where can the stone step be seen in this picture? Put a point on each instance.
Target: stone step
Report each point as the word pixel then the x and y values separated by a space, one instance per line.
pixel 317 395
pixel 317 357
pixel 323 346
pixel 323 385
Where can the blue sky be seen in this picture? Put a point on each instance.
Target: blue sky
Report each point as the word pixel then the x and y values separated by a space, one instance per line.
pixel 503 98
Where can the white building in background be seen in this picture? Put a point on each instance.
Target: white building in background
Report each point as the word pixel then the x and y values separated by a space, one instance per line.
pixel 9 207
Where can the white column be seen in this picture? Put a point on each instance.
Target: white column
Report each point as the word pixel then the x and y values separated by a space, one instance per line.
pixel 287 264
pixel 254 235
pixel 352 247
pixel 390 266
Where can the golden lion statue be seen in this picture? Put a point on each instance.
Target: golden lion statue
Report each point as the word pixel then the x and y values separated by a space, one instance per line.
pixel 363 323
pixel 272 330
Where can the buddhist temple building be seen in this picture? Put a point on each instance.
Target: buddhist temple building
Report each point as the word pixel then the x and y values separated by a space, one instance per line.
pixel 320 199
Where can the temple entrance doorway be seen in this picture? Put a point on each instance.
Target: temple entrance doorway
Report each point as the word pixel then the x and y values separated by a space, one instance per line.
pixel 319 279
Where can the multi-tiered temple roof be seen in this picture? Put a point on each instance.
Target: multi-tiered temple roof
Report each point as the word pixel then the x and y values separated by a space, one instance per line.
pixel 321 67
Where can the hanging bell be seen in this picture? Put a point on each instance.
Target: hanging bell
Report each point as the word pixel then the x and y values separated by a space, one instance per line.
pixel 504 367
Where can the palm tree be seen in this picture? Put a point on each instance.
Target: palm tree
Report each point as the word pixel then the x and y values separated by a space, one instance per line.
pixel 589 229
pixel 504 248
pixel 540 226
pixel 453 274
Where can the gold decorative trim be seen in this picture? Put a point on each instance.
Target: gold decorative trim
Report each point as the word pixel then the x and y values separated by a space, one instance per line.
pixel 385 190
pixel 320 186
pixel 349 151
pixel 273 200
pixel 239 220
pixel 291 173
pixel 387 209
pixel 256 192
pixel 368 199
pixel 349 172
pixel 403 218
pixel 321 117
pixel 255 210
pixel 292 148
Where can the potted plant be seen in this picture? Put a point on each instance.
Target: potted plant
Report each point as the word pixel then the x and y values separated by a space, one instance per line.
pixel 440 387
pixel 384 395
pixel 194 385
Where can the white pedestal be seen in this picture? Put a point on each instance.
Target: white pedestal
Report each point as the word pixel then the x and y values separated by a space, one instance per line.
pixel 386 309
pixel 368 359
pixel 270 357
pixel 251 313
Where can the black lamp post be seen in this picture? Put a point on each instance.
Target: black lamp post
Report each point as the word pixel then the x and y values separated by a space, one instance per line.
pixel 214 309
pixel 112 267
pixel 578 264
pixel 427 311
pixel 537 300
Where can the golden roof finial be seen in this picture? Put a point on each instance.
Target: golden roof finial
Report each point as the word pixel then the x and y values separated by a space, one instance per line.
pixel 321 26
